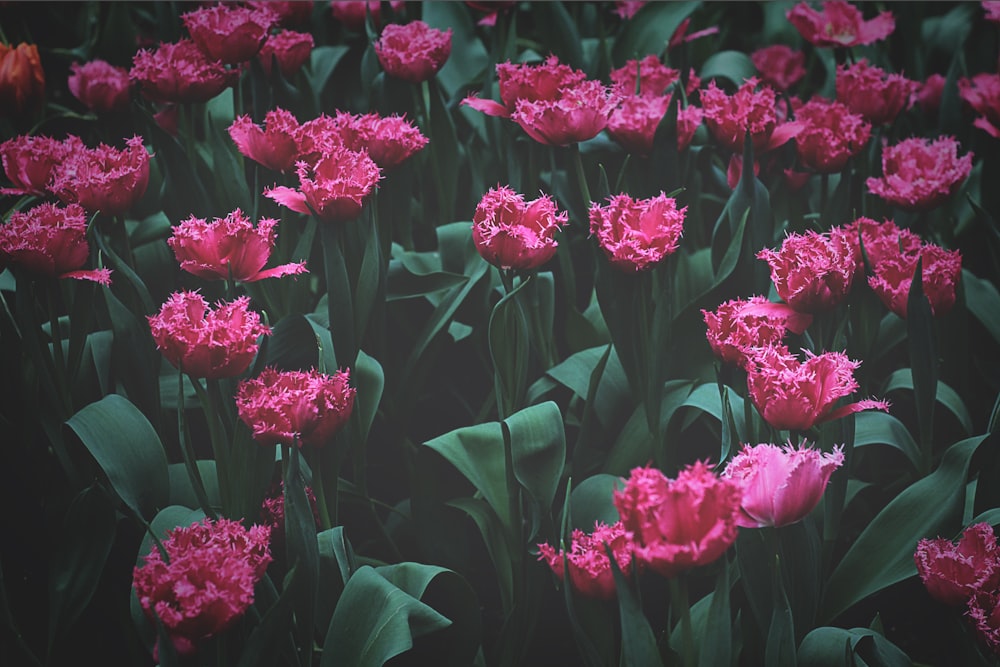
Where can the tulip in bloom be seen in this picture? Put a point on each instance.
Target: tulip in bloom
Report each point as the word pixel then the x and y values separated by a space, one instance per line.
pixel 830 136
pixel 635 234
pixel 413 52
pixel 992 9
pixel 289 49
pixel 511 233
pixel 29 160
pixel 275 146
pixel 179 72
pixel 542 81
pixel 206 343
pixel 104 178
pixel 577 114
pixel 589 566
pixel 929 93
pixel 646 78
pixel 790 394
pixel 208 581
pixel 780 66
pixel 301 407
pixel 984 615
pixel 229 33
pixel 634 123
pixel 954 573
pixel 22 79
pixel 839 24
pixel 982 93
pixel 229 247
pixel 738 325
pixel 871 92
pixel 920 174
pixel 811 272
pixel 49 240
pixel 940 272
pixel 729 117
pixel 388 140
pixel 334 188
pixel 781 485
pixel 100 86
pixel 882 240
pixel 681 523
pixel 352 12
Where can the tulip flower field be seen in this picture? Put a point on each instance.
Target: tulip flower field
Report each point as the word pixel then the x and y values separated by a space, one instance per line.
pixel 500 333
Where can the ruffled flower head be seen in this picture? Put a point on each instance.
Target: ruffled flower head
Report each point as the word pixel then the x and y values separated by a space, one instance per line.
pixel 589 566
pixel 792 394
pixel 104 178
pixel 873 93
pixel 100 86
pixel 414 51
pixel 954 573
pixel 352 12
pixel 780 66
pixel 179 72
pixel 388 140
pixel 49 240
pixel 633 124
pixel 635 234
pixel 229 247
pixel 653 77
pixel 839 24
pixel 920 174
pixel 781 485
pixel 831 135
pixel 576 114
pixel 208 582
pixel 940 271
pixel 290 49
pixel 203 342
pixel 275 146
pixel 304 407
pixel 738 325
pixel 228 33
pixel 29 160
pixel 982 93
pixel 730 117
pixel 811 272
pixel 511 233
pixel 681 523
pixel 334 189
pixel 881 240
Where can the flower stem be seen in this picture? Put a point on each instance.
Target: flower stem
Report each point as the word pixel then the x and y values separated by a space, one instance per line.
pixel 581 179
pixel 319 488
pixel 219 447
pixel 190 462
pixel 679 605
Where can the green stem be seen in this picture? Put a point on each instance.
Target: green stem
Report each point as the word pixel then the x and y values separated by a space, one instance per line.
pixel 219 446
pixel 319 488
pixel 190 461
pixel 58 361
pixel 581 179
pixel 679 605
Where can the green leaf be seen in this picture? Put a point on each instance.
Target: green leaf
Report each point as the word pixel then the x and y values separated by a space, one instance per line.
pixel 881 428
pixel 734 66
pixel 705 398
pixel 370 381
pixel 563 36
pixel 375 621
pixel 946 396
pixel 638 641
pixel 322 61
pixel 510 347
pixel 883 554
pixel 538 450
pixel 983 301
pixel 260 649
pixel 716 636
pixel 85 541
pixel 124 444
pixel 181 491
pixel 592 500
pixel 303 553
pixel 468 56
pixel 492 532
pixel 649 30
pixel 405 283
pixel 836 647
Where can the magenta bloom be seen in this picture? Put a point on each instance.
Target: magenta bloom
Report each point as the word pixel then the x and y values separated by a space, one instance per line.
pixel 681 523
pixel 871 92
pixel 179 72
pixel 634 123
pixel 334 189
pixel 208 582
pixel 780 66
pixel 413 52
pixel 302 407
pixel 511 233
pixel 984 615
pixel 982 93
pixel 352 12
pixel 206 343
pixel 526 82
pixel 928 94
pixel 104 178
pixel 635 234
pixel 291 50
pixel 839 24
pixel 28 161
pixel 654 78
pixel 781 485
pixel 729 117
pixel 830 136
pixel 275 146
pixel 48 240
pixel 101 87
pixel 576 114
pixel 626 9
pixel 882 240
pixel 229 247
pixel 589 565
pixel 288 12
pixel 739 325
pixel 811 272
pixel 389 140
pixel 992 10
pixel 790 394
pixel 893 275
pixel 920 174
pixel 229 33
pixel 954 573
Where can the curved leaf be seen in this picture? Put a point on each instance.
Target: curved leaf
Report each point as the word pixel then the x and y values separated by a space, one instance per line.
pixel 591 501
pixel 650 29
pixel 734 66
pixel 127 448
pixel 370 381
pixel 881 428
pixel 946 396
pixel 538 450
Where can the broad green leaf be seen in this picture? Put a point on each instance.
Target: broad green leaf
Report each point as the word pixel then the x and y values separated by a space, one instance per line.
pixel 836 647
pixel 592 500
pixel 270 635
pixel 85 541
pixel 715 633
pixel 375 621
pixel 468 56
pixel 946 396
pixel 302 553
pixel 705 398
pixel 564 38
pixel 883 554
pixel 405 283
pixel 181 491
pixel 649 30
pixel 638 641
pixel 322 61
pixel 510 346
pixel 734 66
pixel 983 301
pixel 496 543
pixel 538 450
pixel 367 375
pixel 881 428
pixel 124 444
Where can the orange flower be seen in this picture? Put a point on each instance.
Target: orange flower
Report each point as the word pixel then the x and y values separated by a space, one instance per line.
pixel 22 79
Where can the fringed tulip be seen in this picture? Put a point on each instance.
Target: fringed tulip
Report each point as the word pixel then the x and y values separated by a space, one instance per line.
pixel 954 573
pixel 839 24
pixel 637 234
pixel 871 92
pixel 811 272
pixel 920 174
pixel 275 146
pixel 29 161
pixel 780 66
pixel 103 179
pixel 830 135
pixel 737 326
pixel 334 189
pixel 940 272
pixel 589 566
pixel 179 73
pixel 100 86
pixel 730 117
pixel 291 50
pixel 511 233
pixel 229 33
pixel 982 93
pixel 414 51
